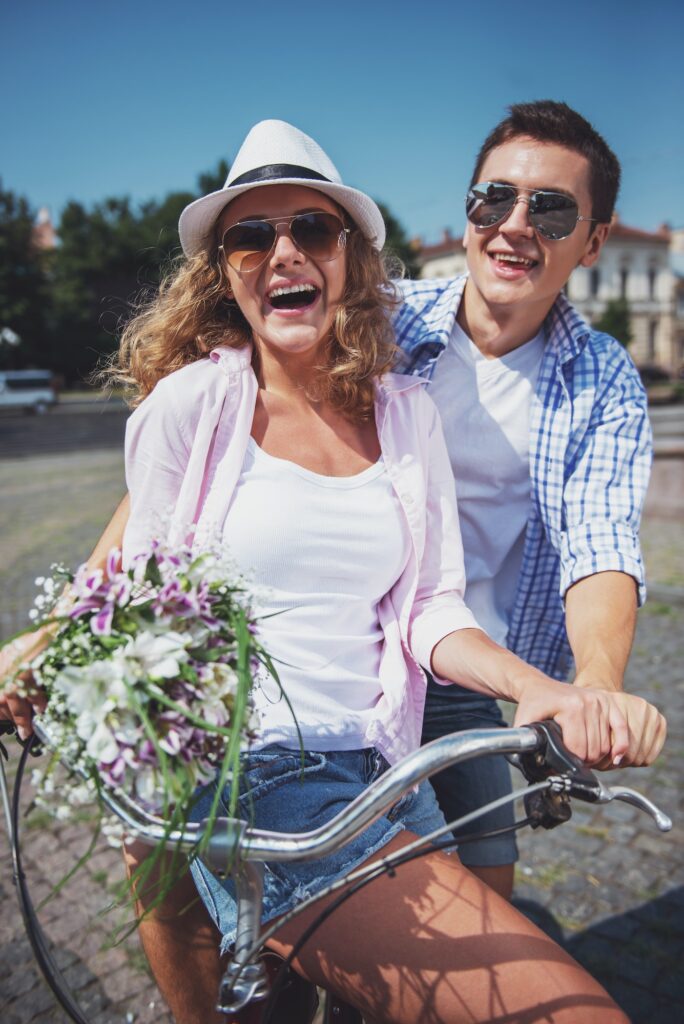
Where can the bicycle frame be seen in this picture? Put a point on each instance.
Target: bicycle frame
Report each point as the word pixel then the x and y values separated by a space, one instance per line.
pixel 233 847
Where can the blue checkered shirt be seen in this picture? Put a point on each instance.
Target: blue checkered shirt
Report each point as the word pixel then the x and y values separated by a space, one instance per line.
pixel 590 457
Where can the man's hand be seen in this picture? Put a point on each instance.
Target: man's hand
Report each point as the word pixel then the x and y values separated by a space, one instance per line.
pixel 603 729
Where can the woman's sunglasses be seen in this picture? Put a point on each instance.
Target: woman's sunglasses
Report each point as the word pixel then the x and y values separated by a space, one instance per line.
pixel 553 214
pixel 247 244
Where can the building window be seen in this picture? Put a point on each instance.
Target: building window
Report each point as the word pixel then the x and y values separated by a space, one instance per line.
pixel 652 275
pixel 594 281
pixel 652 337
pixel 624 278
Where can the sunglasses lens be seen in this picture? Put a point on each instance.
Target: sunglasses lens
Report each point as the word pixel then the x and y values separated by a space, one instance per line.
pixel 246 244
pixel 488 203
pixel 552 214
pixel 319 235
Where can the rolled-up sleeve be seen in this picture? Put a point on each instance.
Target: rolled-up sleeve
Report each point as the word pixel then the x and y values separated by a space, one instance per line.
pixel 605 490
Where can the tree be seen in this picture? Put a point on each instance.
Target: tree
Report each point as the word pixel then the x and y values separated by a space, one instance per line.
pixel 615 320
pixel 108 257
pixel 397 243
pixel 23 285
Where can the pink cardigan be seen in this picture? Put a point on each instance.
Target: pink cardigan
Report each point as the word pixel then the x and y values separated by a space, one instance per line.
pixel 185 446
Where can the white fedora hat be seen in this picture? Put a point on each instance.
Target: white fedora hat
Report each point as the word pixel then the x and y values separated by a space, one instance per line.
pixel 276 153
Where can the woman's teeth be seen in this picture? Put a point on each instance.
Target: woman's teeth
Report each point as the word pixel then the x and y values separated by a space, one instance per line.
pixel 293 296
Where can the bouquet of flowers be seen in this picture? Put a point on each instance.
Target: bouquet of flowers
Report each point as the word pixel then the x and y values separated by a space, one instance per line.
pixel 148 677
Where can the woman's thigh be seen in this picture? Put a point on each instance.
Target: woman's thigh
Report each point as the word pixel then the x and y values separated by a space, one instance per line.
pixel 433 944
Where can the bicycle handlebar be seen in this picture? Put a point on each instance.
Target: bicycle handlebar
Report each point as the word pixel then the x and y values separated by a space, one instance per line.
pixel 536 749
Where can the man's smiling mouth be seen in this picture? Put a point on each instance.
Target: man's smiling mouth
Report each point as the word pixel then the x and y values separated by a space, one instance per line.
pixel 512 258
pixel 293 296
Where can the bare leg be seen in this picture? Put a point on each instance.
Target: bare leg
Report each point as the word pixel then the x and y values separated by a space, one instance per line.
pixel 182 947
pixel 499 878
pixel 435 945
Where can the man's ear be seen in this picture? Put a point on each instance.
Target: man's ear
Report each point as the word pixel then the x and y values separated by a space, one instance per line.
pixel 466 235
pixel 594 245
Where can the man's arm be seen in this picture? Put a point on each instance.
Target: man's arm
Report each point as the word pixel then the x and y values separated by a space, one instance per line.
pixel 600 620
pixel 600 617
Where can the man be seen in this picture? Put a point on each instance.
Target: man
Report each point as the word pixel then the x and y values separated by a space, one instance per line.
pixel 547 429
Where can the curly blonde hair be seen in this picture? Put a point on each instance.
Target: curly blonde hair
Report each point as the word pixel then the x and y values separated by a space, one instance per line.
pixel 190 315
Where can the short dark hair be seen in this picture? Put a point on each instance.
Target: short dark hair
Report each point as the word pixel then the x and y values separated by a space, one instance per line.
pixel 551 121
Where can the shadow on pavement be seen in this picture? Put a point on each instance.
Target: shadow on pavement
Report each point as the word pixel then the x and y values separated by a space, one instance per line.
pixel 637 956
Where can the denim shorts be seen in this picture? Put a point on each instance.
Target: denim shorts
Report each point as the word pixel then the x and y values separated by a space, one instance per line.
pixel 279 795
pixel 465 787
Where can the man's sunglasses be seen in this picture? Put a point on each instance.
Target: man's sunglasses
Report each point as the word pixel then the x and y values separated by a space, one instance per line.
pixel 553 214
pixel 247 244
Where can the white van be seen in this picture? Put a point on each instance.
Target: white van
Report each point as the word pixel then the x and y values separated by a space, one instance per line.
pixel 31 390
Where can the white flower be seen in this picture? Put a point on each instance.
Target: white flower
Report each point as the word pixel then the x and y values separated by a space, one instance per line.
pixel 99 739
pixel 93 688
pixel 159 657
pixel 146 784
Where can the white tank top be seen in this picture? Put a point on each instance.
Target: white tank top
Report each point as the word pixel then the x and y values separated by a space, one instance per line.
pixel 484 405
pixel 325 550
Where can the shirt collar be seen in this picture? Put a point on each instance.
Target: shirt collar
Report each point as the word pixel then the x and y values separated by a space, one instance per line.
pixel 567 332
pixel 232 360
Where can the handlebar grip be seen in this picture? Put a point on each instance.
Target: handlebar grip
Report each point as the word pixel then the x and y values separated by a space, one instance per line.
pixel 552 757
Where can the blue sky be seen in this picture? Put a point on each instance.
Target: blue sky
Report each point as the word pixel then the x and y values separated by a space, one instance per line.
pixel 137 98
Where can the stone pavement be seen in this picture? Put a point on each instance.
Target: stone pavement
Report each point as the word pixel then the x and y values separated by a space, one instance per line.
pixel 606 884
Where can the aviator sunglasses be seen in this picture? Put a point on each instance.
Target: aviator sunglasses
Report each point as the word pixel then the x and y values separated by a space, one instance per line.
pixel 552 214
pixel 247 244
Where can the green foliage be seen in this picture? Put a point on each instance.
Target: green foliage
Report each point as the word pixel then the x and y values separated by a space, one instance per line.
pixel 397 243
pixel 68 305
pixel 615 320
pixel 23 284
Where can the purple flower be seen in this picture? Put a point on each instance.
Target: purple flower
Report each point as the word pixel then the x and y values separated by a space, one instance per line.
pixel 113 563
pixel 87 605
pixel 101 624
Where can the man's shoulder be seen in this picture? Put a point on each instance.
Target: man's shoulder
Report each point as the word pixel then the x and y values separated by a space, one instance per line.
pixel 427 292
pixel 595 352
pixel 427 311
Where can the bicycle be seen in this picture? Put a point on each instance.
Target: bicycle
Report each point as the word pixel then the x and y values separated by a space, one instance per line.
pixel 553 774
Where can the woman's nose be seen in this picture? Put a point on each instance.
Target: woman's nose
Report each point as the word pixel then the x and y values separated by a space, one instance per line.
pixel 284 248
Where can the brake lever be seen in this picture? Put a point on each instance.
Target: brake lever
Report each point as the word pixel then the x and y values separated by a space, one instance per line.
pixel 631 796
pixel 569 777
pixel 553 758
pixel 566 774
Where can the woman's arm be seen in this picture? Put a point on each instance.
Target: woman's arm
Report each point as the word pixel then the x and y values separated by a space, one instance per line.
pixel 25 648
pixel 596 724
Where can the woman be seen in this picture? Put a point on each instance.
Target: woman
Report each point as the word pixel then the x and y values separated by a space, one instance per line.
pixel 269 419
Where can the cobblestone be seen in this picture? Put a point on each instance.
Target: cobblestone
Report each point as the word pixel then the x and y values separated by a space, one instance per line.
pixel 606 884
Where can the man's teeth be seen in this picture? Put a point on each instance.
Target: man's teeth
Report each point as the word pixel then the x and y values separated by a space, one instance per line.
pixel 509 257
pixel 291 289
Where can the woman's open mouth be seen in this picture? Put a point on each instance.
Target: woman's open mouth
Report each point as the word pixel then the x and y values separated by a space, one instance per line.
pixel 293 297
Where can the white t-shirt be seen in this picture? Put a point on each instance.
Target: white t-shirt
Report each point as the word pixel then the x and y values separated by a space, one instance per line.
pixel 484 405
pixel 325 550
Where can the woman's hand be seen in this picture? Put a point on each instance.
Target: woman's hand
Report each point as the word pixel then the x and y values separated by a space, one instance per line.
pixel 13 707
pixel 604 729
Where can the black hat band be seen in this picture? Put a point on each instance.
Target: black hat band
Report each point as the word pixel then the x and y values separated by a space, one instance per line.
pixel 270 172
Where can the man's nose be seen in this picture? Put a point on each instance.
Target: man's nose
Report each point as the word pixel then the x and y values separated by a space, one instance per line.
pixel 518 220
